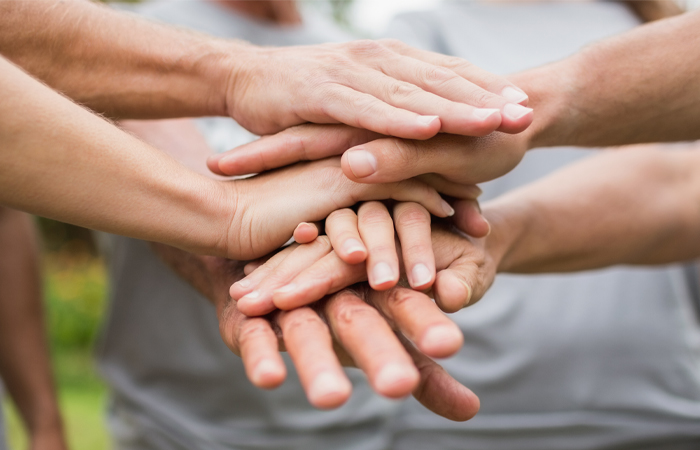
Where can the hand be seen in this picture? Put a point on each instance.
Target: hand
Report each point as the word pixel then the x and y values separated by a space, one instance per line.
pixel 384 86
pixel 360 335
pixel 270 206
pixel 300 275
pixel 372 158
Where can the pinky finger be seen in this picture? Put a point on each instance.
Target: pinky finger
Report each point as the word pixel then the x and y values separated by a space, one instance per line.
pixel 259 350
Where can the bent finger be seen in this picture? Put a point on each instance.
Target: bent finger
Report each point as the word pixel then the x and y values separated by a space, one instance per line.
pixel 306 232
pixel 341 228
pixel 257 271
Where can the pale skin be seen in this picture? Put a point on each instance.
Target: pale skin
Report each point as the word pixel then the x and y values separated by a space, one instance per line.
pixel 624 90
pixel 637 205
pixel 157 198
pixel 127 67
pixel 25 365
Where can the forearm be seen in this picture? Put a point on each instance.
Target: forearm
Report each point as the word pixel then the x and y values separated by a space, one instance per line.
pixel 150 70
pixel 24 356
pixel 641 86
pixel 633 206
pixel 60 161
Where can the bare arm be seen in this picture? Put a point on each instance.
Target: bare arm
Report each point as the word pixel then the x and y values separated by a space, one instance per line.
pixel 25 365
pixel 126 67
pixel 631 206
pixel 640 86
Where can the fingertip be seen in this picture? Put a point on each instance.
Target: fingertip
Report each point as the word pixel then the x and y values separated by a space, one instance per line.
pixel 427 127
pixel 515 95
pixel 382 276
pixel 516 118
pixel 213 163
pixel 353 251
pixel 396 380
pixel 421 277
pixel 451 293
pixel 254 304
pixel 268 374
pixel 329 391
pixel 441 341
pixel 305 233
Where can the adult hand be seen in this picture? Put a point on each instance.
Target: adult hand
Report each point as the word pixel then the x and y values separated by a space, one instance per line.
pixel 372 158
pixel 303 274
pixel 383 86
pixel 344 329
pixel 270 206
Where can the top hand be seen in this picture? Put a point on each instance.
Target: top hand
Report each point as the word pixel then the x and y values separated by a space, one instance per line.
pixel 383 86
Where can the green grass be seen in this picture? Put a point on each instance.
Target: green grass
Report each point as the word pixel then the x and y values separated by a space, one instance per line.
pixel 75 288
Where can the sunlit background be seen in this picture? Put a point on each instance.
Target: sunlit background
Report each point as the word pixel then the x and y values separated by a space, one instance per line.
pixel 76 282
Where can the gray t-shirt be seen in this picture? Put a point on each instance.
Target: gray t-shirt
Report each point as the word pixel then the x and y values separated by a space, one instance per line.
pixel 597 360
pixel 174 384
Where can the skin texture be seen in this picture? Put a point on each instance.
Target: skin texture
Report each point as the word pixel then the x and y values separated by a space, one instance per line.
pixel 623 90
pixel 126 67
pixel 157 198
pixel 350 328
pixel 24 355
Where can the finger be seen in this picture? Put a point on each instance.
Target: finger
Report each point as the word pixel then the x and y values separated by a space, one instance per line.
pixel 341 228
pixel 362 110
pixel 251 280
pixel 326 276
pixel 456 117
pixel 309 344
pixel 252 266
pixel 413 227
pixel 377 232
pixel 372 345
pixel 301 143
pixel 259 350
pixel 419 319
pixel 255 341
pixel 469 219
pixel 463 282
pixel 306 232
pixel 259 301
pixel 515 118
pixel 450 188
pixel 440 392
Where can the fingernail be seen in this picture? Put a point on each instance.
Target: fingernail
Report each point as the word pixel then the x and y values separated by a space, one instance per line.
pixel 514 95
pixel 488 224
pixel 426 120
pixel 326 384
pixel 351 246
pixel 244 283
pixel 362 163
pixel 438 336
pixel 381 273
pixel 421 275
pixel 449 211
pixel 251 296
pixel 485 113
pixel 468 297
pixel 514 111
pixel 287 288
pixel 391 375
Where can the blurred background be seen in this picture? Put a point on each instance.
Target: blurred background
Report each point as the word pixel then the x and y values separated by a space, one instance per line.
pixel 75 281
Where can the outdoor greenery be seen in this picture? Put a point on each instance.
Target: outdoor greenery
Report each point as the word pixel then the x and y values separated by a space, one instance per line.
pixel 75 290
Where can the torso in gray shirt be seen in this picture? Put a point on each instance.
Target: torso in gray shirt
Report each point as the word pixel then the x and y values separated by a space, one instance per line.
pixel 598 360
pixel 175 385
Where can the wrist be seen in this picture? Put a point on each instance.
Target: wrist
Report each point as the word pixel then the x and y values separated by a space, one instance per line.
pixel 226 70
pixel 552 90
pixel 508 223
pixel 218 203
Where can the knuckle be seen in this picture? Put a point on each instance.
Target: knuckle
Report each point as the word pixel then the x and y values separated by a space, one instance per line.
pixel 340 215
pixel 411 215
pixel 375 216
pixel 305 319
pixel 366 47
pixel 348 313
pixel 398 299
pixel 323 243
pixel 391 43
pixel 436 75
pixel 251 330
pixel 400 90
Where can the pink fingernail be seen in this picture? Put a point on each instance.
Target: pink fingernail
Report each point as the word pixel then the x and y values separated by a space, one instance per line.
pixel 251 296
pixel 327 385
pixel 514 111
pixel 265 369
pixel 362 163
pixel 288 288
pixel 426 120
pixel 353 246
pixel 485 113
pixel 437 336
pixel 382 273
pixel 244 283
pixel 393 374
pixel 421 275
pixel 513 95
pixel 449 211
